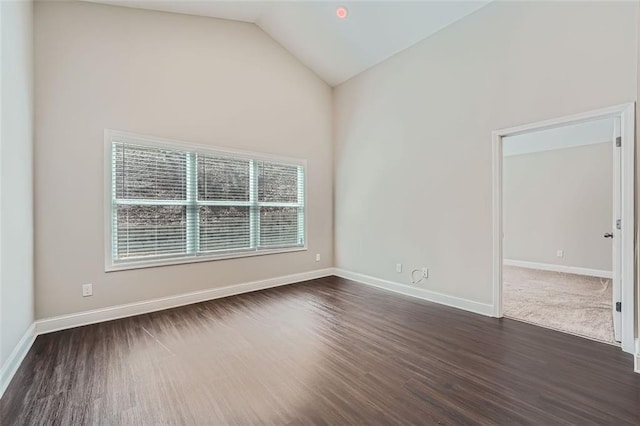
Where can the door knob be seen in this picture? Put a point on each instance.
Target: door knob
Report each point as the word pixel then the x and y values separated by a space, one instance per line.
pixel 608 235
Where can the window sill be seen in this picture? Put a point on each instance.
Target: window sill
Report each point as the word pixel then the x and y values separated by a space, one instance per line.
pixel 185 260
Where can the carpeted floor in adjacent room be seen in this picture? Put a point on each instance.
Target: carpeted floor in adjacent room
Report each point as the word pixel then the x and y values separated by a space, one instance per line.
pixel 571 303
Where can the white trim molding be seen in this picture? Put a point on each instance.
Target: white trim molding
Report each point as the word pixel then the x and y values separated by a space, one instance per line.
pixel 417 292
pixel 626 114
pixel 16 357
pixel 559 268
pixel 63 322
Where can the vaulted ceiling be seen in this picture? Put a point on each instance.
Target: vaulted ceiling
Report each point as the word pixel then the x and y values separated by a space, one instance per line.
pixel 335 49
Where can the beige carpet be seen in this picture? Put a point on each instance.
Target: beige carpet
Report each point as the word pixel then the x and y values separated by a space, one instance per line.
pixel 574 304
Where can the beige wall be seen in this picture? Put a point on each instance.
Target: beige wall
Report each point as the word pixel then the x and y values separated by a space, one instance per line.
pixel 182 77
pixel 638 202
pixel 559 200
pixel 413 134
pixel 16 171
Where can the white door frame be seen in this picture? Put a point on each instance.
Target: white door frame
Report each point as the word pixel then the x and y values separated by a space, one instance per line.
pixel 626 113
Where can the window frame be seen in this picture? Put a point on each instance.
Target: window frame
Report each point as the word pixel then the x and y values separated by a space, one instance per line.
pixel 111 136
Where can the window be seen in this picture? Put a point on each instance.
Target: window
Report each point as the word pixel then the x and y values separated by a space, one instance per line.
pixel 170 203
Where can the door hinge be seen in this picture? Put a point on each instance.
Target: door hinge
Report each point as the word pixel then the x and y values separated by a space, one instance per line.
pixel 619 141
pixel 618 306
pixel 618 224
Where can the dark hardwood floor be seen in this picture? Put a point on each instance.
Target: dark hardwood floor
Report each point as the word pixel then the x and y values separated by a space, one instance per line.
pixel 327 351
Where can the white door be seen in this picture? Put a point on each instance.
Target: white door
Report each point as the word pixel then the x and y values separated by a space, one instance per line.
pixel 615 231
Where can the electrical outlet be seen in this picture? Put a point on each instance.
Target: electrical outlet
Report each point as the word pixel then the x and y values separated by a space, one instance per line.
pixel 87 290
pixel 398 267
pixel 317 257
pixel 560 253
pixel 425 272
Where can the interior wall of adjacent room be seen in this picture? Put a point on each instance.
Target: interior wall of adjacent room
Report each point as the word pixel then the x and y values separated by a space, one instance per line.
pixel 413 147
pixel 16 182
pixel 196 79
pixel 559 200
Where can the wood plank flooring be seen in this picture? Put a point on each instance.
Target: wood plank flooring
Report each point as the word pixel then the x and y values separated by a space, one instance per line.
pixel 328 352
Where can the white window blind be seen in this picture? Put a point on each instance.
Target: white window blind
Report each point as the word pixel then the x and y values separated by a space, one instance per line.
pixel 170 204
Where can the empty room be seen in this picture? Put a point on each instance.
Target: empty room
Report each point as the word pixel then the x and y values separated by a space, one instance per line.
pixel 560 198
pixel 319 212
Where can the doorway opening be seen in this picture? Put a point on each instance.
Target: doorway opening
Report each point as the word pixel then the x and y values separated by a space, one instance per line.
pixel 564 224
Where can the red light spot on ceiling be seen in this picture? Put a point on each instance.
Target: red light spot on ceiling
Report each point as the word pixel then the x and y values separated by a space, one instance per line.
pixel 341 12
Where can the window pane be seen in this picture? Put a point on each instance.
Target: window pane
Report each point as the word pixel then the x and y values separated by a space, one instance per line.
pixel 170 202
pixel 279 226
pixel 144 231
pixel 224 228
pixel 277 183
pixel 149 173
pixel 223 179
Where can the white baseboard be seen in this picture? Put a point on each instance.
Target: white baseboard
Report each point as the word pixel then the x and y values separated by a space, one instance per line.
pixel 559 268
pixel 12 363
pixel 420 293
pixel 63 322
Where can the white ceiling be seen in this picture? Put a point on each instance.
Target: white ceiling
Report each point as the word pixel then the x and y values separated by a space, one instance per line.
pixel 587 133
pixel 335 49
